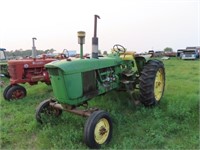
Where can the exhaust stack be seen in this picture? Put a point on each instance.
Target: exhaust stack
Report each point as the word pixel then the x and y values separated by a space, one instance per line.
pixel 34 53
pixel 95 39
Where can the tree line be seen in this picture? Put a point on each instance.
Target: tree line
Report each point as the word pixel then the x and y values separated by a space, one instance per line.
pixel 26 53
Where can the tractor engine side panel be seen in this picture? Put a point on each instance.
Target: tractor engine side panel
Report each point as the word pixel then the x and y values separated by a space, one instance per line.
pixel 74 85
pixel 108 79
pixel 58 84
pixel 67 88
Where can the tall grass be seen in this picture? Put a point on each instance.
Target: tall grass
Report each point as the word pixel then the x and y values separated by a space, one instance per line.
pixel 173 124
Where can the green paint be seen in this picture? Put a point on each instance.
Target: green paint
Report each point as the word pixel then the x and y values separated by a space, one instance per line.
pixel 3 63
pixel 77 81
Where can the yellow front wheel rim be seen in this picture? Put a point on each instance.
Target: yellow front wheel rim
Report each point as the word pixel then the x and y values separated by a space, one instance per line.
pixel 101 131
pixel 159 84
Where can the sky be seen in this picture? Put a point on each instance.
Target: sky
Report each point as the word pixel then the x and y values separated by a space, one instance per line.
pixel 138 25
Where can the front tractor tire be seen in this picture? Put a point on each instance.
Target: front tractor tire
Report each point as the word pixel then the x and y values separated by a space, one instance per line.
pixel 152 83
pixel 98 129
pixel 14 92
pixel 5 91
pixel 46 113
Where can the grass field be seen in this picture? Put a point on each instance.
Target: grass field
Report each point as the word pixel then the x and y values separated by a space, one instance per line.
pixel 173 124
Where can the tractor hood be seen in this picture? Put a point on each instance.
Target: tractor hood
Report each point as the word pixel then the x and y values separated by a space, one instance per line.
pixel 83 65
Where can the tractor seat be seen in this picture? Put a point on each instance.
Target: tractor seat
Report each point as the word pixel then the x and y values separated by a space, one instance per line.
pixel 128 55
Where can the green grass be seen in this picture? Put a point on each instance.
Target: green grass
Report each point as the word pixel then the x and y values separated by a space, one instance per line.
pixel 173 124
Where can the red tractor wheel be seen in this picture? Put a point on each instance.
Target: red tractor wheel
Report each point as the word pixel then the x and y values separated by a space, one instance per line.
pixel 15 92
pixel 5 91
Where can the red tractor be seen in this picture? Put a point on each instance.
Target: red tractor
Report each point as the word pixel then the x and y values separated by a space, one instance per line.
pixel 29 70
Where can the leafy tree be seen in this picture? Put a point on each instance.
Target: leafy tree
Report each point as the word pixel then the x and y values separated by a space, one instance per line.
pixel 50 50
pixel 105 53
pixel 168 49
pixel 22 53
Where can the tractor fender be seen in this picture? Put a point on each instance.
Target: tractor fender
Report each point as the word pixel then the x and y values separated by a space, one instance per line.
pixel 140 62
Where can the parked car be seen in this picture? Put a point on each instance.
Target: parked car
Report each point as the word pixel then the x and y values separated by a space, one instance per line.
pixel 190 53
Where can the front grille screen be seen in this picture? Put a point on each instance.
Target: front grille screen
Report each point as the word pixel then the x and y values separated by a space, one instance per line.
pixel 89 81
pixel 53 72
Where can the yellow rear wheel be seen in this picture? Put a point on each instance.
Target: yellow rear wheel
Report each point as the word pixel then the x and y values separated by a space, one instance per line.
pixel 152 82
pixel 159 84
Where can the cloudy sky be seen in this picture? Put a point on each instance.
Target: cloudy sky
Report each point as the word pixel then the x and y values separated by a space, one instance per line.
pixel 138 25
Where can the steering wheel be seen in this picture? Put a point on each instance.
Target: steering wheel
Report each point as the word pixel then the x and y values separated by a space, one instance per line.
pixel 119 48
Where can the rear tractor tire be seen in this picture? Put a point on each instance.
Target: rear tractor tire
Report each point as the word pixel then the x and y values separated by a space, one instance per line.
pixel 152 83
pixel 98 129
pixel 14 92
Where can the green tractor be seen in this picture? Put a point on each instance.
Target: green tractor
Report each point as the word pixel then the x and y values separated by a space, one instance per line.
pixel 3 63
pixel 75 82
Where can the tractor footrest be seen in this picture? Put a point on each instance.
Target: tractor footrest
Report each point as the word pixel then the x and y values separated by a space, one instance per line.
pixel 126 81
pixel 128 74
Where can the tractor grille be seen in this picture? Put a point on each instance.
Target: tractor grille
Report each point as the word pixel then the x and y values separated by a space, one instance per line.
pixel 188 55
pixel 89 81
pixel 53 72
pixel 12 71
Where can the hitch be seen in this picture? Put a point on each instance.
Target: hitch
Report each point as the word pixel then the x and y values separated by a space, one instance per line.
pixel 72 109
